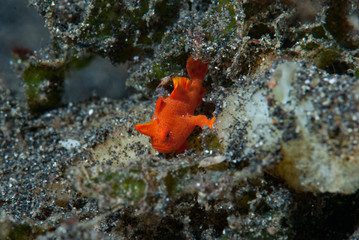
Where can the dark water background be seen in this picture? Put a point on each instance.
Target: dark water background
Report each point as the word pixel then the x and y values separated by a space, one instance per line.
pixel 22 26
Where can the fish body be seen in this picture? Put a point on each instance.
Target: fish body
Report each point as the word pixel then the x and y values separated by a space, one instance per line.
pixel 174 119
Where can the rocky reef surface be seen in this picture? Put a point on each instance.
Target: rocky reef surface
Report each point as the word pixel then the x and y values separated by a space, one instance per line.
pixel 281 163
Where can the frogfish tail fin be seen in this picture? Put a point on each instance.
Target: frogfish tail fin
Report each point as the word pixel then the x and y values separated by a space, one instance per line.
pixel 196 69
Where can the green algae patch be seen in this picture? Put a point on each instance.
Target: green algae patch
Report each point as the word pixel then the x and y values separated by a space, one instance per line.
pixel 44 86
pixel 229 8
pixel 104 19
pixel 219 167
pixel 23 232
pixel 310 46
pixel 319 32
pixel 78 62
pixel 325 57
pixel 184 180
pixel 175 181
pixel 110 28
pixel 44 79
pixel 208 142
pixel 170 66
pixel 126 184
pixel 194 140
pixel 157 72
pixel 212 142
pixel 332 60
pixel 104 22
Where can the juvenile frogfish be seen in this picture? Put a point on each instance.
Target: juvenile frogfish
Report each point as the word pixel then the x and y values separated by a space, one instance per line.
pixel 174 119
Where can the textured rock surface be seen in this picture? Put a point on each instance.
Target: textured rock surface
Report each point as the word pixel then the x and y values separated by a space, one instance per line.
pixel 281 162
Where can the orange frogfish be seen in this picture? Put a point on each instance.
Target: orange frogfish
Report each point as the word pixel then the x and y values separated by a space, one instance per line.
pixel 174 120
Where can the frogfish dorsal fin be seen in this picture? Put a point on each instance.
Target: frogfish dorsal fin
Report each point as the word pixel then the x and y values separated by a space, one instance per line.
pixel 196 69
pixel 181 84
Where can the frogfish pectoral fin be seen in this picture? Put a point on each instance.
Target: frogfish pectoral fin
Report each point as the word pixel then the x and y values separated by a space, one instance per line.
pixel 200 120
pixel 146 128
pixel 211 122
